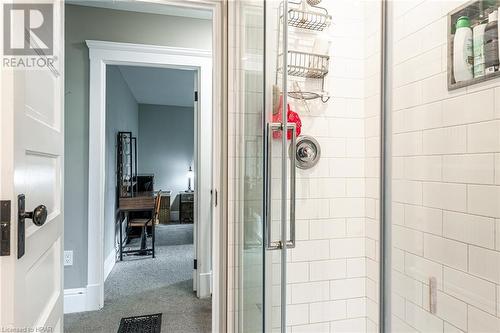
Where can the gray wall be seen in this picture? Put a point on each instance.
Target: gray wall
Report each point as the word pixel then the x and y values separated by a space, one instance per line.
pixel 166 146
pixel 84 23
pixel 122 114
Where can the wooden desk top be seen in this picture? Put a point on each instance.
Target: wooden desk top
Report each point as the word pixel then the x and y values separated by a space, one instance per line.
pixel 140 201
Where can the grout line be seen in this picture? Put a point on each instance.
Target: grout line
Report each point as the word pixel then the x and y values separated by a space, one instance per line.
pixel 427 129
pixel 445 209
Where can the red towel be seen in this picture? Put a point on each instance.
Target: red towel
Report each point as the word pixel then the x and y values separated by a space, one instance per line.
pixel 292 117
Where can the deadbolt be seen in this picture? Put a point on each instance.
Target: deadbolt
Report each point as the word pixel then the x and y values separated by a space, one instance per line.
pixel 4 227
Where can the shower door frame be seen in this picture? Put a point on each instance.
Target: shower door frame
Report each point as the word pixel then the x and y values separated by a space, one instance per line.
pixel 385 175
pixel 287 214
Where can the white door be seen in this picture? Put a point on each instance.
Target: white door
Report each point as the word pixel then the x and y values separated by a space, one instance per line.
pixel 194 185
pixel 31 156
pixel 203 186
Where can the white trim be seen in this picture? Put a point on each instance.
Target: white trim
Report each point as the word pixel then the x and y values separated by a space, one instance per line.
pixel 102 53
pixel 204 281
pixel 156 49
pixel 109 263
pixel 220 246
pixel 94 296
pixel 75 300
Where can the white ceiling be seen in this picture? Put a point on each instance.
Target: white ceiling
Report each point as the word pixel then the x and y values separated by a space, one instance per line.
pixel 145 7
pixel 161 86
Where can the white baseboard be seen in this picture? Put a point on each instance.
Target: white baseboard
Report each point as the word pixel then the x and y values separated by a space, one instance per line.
pixel 109 263
pixel 205 285
pixel 93 297
pixel 211 283
pixel 195 275
pixel 75 300
pixel 87 299
pixel 81 299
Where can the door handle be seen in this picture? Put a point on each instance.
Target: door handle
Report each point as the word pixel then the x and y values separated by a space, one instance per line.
pixel 293 175
pixel 38 216
pixel 269 243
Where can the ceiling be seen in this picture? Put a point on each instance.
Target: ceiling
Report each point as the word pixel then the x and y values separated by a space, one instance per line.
pixel 145 7
pixel 161 86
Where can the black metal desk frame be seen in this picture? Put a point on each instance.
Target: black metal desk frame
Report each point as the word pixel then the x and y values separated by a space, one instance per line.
pixel 143 249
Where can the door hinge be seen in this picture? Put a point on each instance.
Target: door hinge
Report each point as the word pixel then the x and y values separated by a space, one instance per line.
pixel 214 194
pixel 195 264
pixel 5 228
pixel 196 96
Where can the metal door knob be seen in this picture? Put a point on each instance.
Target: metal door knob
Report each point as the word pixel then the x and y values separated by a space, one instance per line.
pixel 38 215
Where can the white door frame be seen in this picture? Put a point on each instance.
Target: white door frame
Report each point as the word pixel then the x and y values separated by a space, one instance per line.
pixel 103 53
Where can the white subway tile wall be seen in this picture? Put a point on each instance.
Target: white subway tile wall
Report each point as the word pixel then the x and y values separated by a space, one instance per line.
pixel 372 65
pixel 445 188
pixel 340 249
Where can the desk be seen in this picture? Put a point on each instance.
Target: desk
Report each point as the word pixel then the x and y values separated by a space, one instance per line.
pixel 140 202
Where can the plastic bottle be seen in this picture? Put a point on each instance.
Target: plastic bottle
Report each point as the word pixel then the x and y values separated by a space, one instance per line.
pixel 462 50
pixel 478 49
pixel 491 44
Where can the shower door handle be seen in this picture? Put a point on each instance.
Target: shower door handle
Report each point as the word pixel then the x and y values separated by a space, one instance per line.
pixel 269 243
pixel 293 169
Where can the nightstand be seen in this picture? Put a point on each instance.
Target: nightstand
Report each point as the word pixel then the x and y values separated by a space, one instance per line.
pixel 186 207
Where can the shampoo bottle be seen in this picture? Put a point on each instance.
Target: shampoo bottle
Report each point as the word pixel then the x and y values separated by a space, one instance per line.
pixel 491 44
pixel 478 49
pixel 462 50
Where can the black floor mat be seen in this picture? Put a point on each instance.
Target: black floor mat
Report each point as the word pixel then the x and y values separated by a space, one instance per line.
pixel 141 324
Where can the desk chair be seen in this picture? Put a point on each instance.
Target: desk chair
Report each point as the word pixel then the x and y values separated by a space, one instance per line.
pixel 148 222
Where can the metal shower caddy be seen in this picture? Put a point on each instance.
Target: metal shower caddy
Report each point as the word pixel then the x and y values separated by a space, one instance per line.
pixel 305 64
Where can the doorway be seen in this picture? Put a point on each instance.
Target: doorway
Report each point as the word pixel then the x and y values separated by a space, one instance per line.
pixel 150 157
pixel 195 176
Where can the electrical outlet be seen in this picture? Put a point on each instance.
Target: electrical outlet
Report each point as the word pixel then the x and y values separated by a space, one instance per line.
pixel 68 258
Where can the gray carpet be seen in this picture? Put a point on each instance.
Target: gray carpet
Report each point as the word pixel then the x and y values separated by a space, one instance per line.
pixel 143 285
pixel 174 234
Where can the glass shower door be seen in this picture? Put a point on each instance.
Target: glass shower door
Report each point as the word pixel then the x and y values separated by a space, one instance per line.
pixel 260 164
pixel 249 189
pixel 279 170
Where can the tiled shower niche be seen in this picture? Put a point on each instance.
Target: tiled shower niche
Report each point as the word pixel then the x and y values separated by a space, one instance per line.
pixel 477 12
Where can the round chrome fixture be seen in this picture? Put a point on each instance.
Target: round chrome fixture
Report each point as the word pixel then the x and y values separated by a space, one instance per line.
pixel 307 152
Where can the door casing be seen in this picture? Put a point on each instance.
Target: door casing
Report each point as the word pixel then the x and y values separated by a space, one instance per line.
pixel 111 53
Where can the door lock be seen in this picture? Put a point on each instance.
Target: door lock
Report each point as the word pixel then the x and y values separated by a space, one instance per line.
pixel 4 227
pixel 38 216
